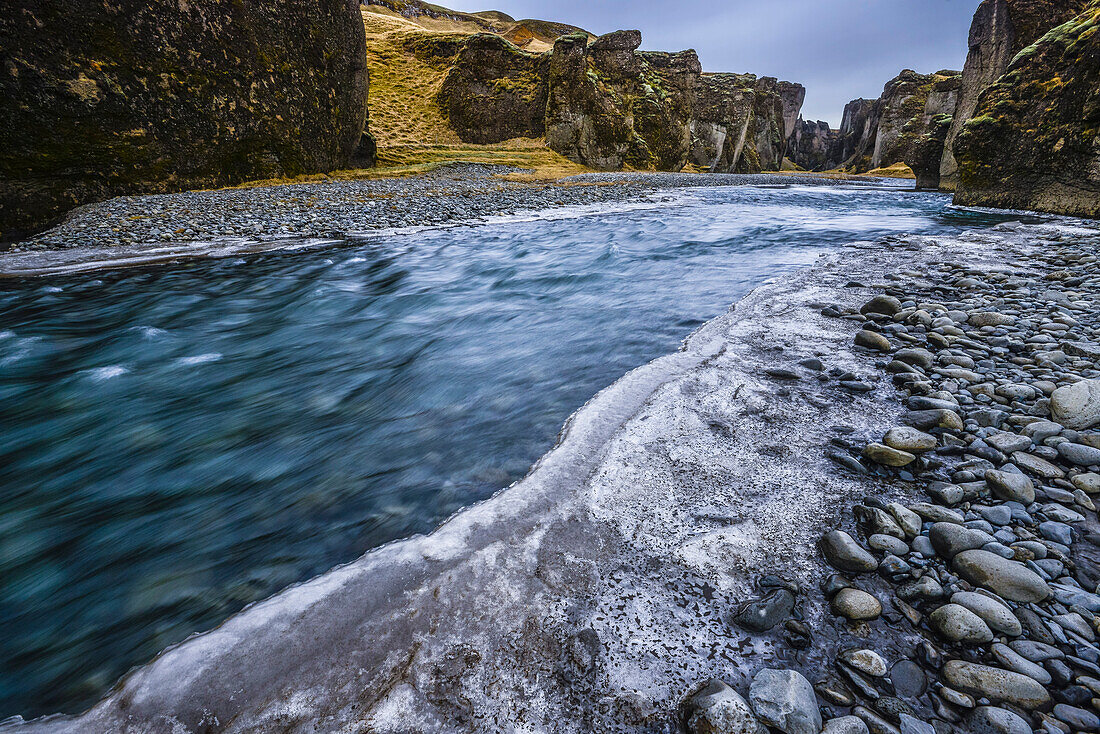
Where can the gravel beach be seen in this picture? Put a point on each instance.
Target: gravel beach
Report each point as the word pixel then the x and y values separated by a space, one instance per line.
pixel 133 230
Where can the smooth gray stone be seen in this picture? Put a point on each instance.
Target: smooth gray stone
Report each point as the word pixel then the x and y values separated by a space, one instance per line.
pixel 958 624
pixel 1079 454
pixel 1010 487
pixel 1009 580
pixel 950 539
pixel 845 725
pixel 1012 660
pixel 995 614
pixel 996 720
pixel 995 684
pixel 1078 718
pixel 844 554
pixel 786 700
pixel 1077 406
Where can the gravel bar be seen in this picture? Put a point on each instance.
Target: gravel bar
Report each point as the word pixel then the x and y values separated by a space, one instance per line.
pixel 336 209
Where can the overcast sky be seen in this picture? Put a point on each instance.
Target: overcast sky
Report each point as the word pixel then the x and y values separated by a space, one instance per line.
pixel 838 49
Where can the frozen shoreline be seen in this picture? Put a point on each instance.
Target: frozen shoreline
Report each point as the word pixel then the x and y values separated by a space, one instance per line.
pixel 577 596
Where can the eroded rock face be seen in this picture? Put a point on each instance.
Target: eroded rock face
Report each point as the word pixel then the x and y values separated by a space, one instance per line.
pixel 1000 30
pixel 723 112
pixel 1034 139
pixel 907 123
pixel 162 96
pixel 814 146
pixel 857 130
pixel 493 91
pixel 740 122
pixel 605 104
pixel 610 106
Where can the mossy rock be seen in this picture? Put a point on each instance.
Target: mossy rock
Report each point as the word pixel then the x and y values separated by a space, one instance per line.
pixel 1035 135
pixel 108 97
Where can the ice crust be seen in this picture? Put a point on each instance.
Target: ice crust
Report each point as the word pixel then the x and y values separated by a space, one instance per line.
pixel 591 595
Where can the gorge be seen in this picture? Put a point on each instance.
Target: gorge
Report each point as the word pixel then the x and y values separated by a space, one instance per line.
pixel 390 368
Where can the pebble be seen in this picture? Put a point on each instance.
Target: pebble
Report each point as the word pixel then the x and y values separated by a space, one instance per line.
pixel 995 684
pixel 844 554
pixel 1079 454
pixel 1077 406
pixel 872 340
pixel 956 623
pixel 949 539
pixel 868 662
pixel 845 725
pixel 856 605
pixel 904 438
pixel 995 614
pixel 784 699
pixel 1010 487
pixel 719 709
pixel 995 720
pixel 1007 579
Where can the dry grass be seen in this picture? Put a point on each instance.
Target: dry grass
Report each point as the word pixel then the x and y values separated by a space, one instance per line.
pixel 522 152
pixel 403 88
pixel 898 170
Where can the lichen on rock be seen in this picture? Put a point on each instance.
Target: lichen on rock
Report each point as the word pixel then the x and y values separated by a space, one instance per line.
pixel 1034 139
pixel 106 98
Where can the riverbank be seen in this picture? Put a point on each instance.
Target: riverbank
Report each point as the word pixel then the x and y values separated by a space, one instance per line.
pixel 141 230
pixel 598 592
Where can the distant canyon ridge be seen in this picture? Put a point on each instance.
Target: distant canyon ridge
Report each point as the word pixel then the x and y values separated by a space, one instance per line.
pixel 110 97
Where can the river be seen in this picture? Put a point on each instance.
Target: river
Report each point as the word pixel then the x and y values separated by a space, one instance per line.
pixel 180 441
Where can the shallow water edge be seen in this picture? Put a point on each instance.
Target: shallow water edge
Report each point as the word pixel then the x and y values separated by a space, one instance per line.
pixel 610 535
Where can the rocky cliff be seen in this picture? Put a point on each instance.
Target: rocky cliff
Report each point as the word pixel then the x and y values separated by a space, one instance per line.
pixel 107 97
pixel 740 122
pixel 1000 30
pixel 858 129
pixel 900 117
pixel 493 91
pixel 724 105
pixel 1034 139
pixel 814 146
pixel 610 106
pixel 877 133
pixel 605 104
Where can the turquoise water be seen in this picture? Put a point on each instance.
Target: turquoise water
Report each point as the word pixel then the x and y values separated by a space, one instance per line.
pixel 181 441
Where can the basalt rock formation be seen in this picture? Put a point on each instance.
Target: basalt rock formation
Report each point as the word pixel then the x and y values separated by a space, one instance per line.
pixel 605 104
pixel 902 125
pixel 901 116
pixel 814 146
pixel 741 122
pixel 724 106
pixel 493 91
pixel 1000 30
pixel 858 129
pixel 1034 139
pixel 611 106
pixel 105 98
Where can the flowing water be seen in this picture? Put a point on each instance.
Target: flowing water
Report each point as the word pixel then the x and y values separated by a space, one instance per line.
pixel 180 441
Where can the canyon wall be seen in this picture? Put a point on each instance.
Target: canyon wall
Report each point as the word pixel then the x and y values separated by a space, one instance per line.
pixel 1000 30
pixel 814 146
pixel 611 106
pixel 881 132
pixel 1034 139
pixel 605 104
pixel 108 97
